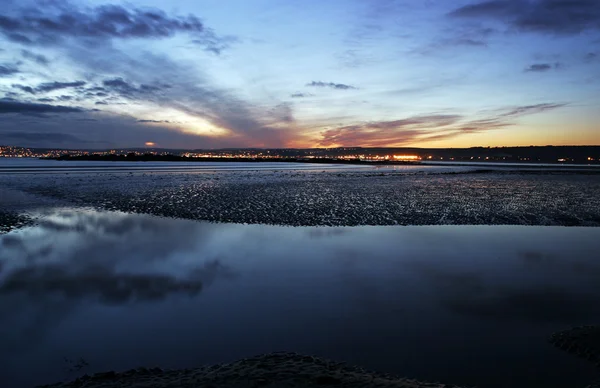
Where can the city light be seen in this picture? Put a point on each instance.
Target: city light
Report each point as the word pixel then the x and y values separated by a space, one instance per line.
pixel 407 157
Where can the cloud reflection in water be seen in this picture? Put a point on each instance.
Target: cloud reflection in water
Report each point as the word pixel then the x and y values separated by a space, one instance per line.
pixel 189 293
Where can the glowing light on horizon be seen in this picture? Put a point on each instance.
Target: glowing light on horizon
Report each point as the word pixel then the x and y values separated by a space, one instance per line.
pixel 407 157
pixel 150 144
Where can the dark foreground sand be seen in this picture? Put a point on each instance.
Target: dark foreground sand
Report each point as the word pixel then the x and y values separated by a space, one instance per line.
pixel 581 341
pixel 295 370
pixel 270 370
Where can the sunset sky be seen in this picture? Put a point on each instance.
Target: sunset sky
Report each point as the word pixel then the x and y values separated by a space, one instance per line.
pixel 310 73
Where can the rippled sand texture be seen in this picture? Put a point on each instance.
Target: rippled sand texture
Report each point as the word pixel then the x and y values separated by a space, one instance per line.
pixel 335 198
pixel 270 370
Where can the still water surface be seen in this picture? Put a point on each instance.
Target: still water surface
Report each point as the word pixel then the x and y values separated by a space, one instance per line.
pixel 467 305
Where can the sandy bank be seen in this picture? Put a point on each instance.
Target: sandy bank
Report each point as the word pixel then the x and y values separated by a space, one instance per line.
pixel 270 370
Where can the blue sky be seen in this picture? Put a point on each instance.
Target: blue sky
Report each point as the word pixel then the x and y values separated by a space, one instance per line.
pixel 212 74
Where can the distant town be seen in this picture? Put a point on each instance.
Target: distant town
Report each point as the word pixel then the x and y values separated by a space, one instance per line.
pixel 532 154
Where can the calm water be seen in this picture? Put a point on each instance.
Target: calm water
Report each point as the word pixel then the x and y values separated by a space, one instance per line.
pixel 39 166
pixel 464 305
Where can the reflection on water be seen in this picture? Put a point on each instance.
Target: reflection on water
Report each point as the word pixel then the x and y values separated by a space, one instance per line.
pixel 465 305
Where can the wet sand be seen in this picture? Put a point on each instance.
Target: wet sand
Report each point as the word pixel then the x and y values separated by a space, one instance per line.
pixel 332 198
pixel 581 341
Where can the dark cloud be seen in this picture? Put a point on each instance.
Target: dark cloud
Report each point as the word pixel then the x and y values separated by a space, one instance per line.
pixel 26 89
pixel 51 86
pixel 282 113
pixel 61 20
pixel 301 95
pixel 126 89
pixel 32 108
pixel 96 89
pixel 7 70
pixel 54 138
pixel 153 121
pixel 590 57
pixel 37 58
pixel 539 67
pixel 332 85
pixel 545 16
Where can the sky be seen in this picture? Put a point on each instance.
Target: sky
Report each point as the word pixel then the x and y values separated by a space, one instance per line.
pixel 101 74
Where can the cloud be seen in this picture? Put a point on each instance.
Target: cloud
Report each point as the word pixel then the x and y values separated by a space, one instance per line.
pixel 332 85
pixel 531 109
pixel 213 43
pixel 539 67
pixel 26 89
pixel 300 95
pixel 387 133
pixel 127 89
pixel 28 137
pixel 218 117
pixel 6 71
pixel 467 42
pixel 424 128
pixel 49 86
pixel 590 57
pixel 542 67
pixel 32 108
pixel 153 121
pixel 37 58
pixel 63 20
pixel 543 16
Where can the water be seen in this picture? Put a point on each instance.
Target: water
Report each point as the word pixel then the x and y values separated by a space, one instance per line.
pixel 44 166
pixel 466 305
pixel 37 166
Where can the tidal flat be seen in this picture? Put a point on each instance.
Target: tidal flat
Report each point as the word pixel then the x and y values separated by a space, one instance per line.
pixel 317 195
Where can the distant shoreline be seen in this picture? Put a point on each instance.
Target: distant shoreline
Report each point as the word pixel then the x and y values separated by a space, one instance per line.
pixel 175 158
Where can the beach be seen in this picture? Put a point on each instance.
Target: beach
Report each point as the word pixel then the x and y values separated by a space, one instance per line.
pixel 448 274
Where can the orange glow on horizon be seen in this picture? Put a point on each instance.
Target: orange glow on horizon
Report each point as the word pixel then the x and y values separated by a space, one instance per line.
pixel 150 144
